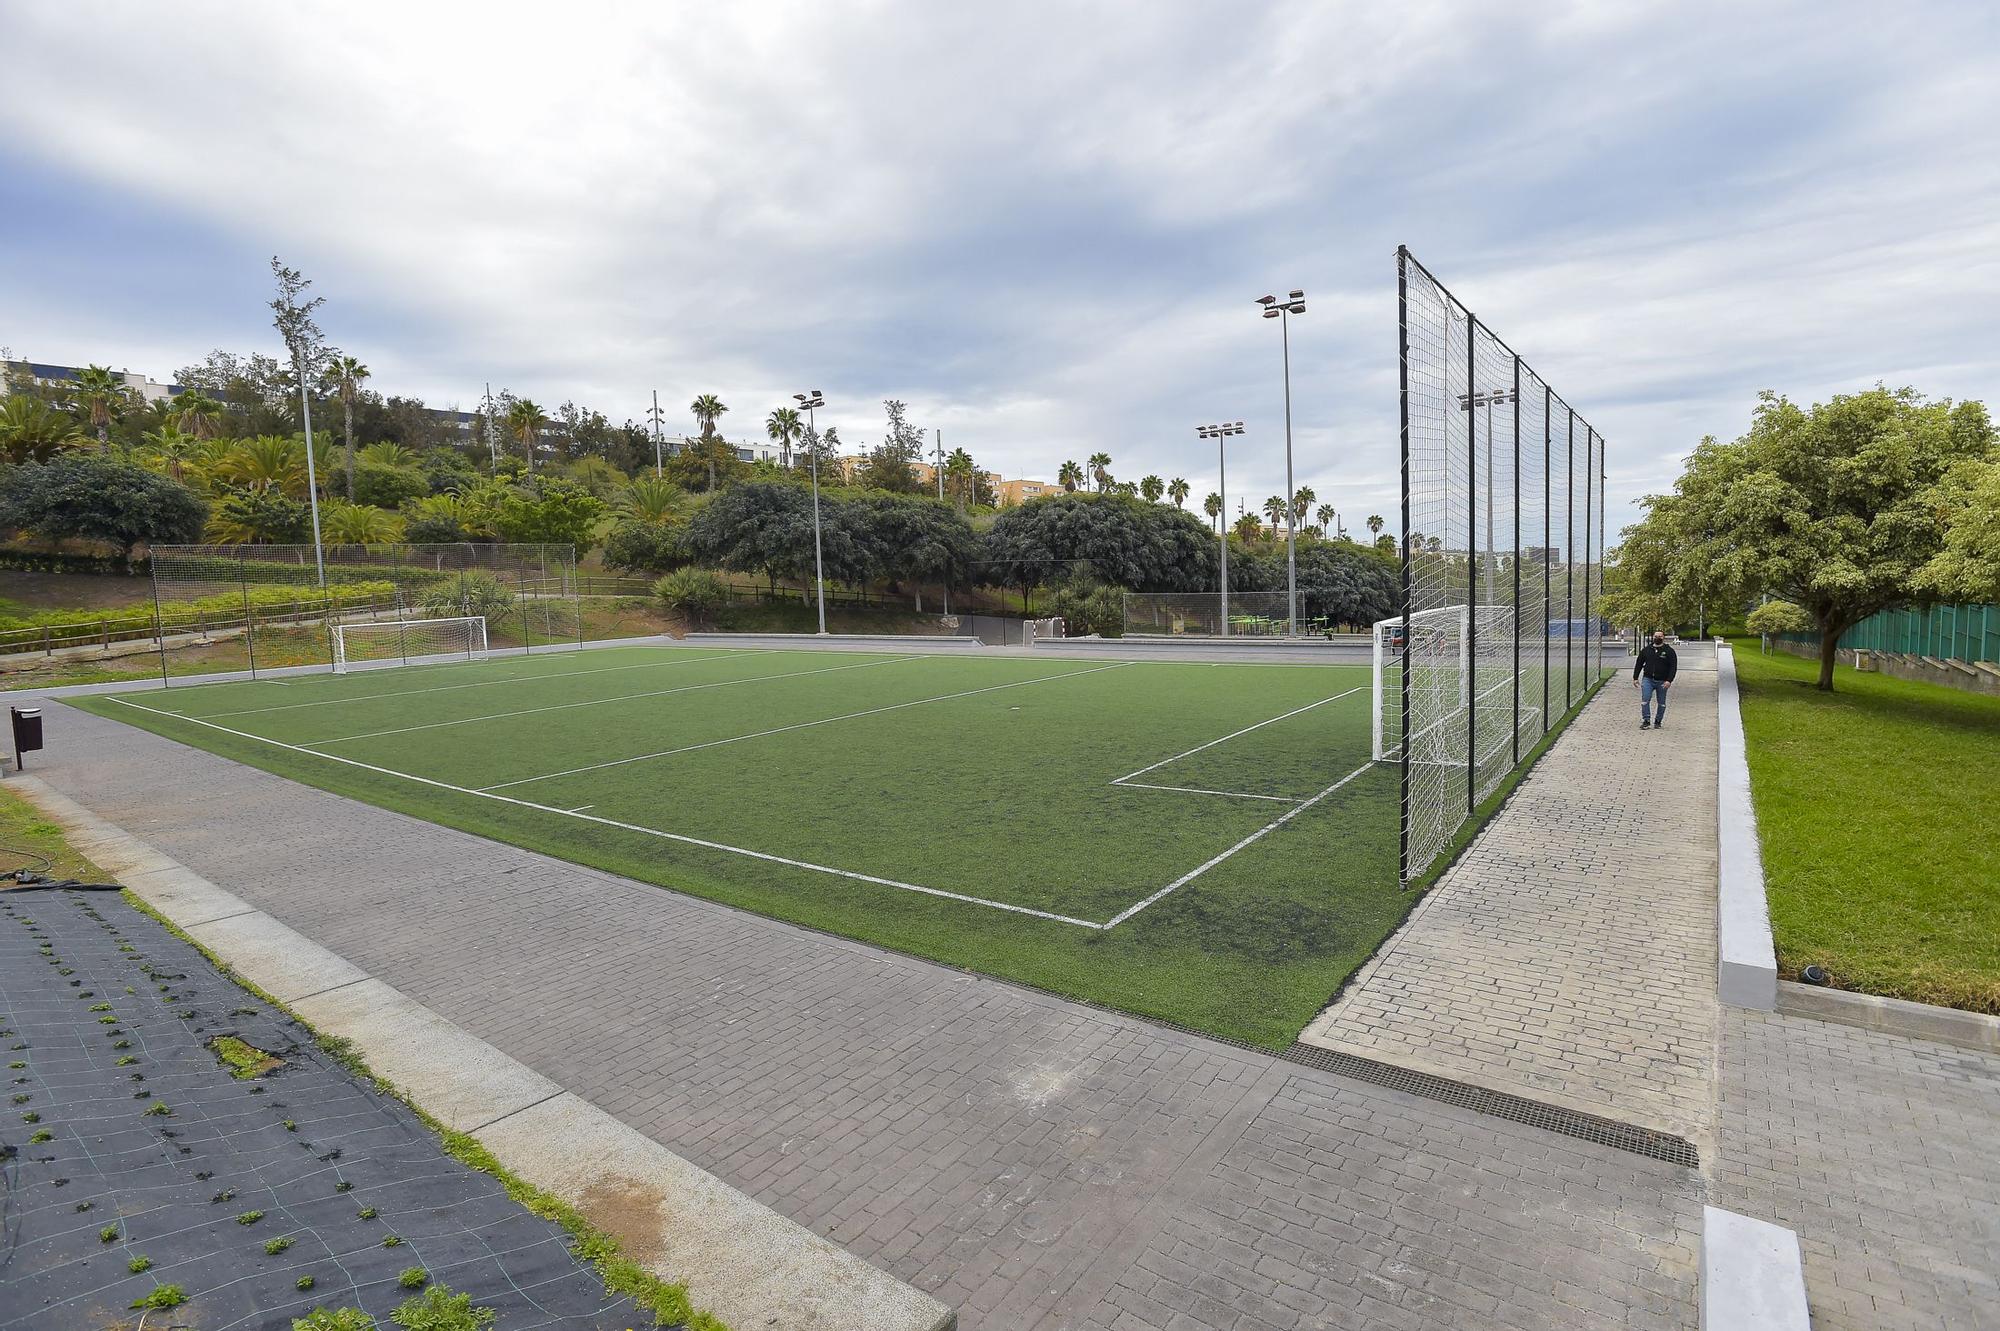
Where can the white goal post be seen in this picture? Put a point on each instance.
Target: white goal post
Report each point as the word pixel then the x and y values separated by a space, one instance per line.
pixel 366 644
pixel 1439 640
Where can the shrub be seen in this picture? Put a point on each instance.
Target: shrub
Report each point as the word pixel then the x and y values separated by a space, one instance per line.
pixel 438 1309
pixel 468 594
pixel 162 1296
pixel 647 547
pixel 388 487
pixel 1089 607
pixel 695 594
pixel 333 1319
pixel 413 1277
pixel 1778 617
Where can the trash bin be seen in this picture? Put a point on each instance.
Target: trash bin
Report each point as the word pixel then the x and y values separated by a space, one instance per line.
pixel 27 731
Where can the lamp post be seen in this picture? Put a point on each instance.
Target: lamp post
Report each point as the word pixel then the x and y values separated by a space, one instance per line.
pixel 654 416
pixel 811 401
pixel 1282 311
pixel 1470 402
pixel 1219 433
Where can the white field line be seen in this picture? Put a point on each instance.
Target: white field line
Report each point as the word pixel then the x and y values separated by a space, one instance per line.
pixel 597 702
pixel 801 725
pixel 1202 790
pixel 1246 842
pixel 632 827
pixel 1235 733
pixel 481 683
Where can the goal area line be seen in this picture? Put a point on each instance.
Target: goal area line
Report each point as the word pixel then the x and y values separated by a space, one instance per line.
pixel 579 812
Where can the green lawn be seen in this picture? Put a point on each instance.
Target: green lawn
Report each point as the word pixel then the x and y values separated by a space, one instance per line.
pixel 1878 806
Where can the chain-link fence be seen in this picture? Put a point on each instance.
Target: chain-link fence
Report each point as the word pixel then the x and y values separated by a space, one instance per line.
pixel 1243 614
pixel 1503 516
pixel 262 607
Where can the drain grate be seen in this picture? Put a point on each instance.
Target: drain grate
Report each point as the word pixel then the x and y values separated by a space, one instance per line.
pixel 1552 1118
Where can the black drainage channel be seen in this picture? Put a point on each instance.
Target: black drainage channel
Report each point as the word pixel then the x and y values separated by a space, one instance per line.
pixel 1551 1118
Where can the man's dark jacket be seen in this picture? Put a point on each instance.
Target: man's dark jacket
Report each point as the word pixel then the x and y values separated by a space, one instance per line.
pixel 1656 662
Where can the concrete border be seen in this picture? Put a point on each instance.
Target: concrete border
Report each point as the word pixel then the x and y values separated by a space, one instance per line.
pixel 1746 972
pixel 1753 1275
pixel 1892 1016
pixel 740 1259
pixel 944 642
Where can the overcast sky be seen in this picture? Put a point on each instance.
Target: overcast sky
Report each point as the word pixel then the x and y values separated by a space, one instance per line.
pixel 1042 226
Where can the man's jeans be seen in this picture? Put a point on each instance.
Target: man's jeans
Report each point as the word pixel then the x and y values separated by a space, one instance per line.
pixel 1650 688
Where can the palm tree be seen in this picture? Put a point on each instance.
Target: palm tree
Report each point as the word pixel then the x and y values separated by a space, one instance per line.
pixel 784 427
pixel 1152 488
pixel 169 446
pixel 32 429
pixel 1100 471
pixel 1069 476
pixel 100 392
pixel 1248 528
pixel 344 375
pixel 1213 507
pixel 1375 524
pixel 960 475
pixel 525 421
pixel 1177 490
pixel 359 524
pixel 388 453
pixel 268 462
pixel 1302 503
pixel 1326 515
pixel 1274 509
pixel 650 500
pixel 708 409
pixel 195 412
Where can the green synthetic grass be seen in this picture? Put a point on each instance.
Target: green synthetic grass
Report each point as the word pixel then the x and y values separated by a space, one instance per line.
pixel 1878 808
pixel 968 778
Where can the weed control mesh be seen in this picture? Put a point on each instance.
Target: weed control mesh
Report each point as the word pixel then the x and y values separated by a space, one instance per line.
pixel 132 1156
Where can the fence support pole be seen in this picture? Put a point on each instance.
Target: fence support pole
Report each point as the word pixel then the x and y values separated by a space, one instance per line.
pixel 1517 561
pixel 1569 567
pixel 249 620
pixel 1471 565
pixel 1403 447
pixel 160 631
pixel 1548 539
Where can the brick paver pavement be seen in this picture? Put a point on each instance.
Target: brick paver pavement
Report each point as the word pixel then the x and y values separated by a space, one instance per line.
pixel 1036 1163
pixel 1882 1152
pixel 1569 955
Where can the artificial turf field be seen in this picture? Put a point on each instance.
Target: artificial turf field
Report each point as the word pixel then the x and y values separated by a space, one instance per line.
pixel 1202 842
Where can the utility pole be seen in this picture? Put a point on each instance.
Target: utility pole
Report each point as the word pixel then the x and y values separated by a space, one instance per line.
pixel 1219 433
pixel 939 454
pixel 486 410
pixel 811 401
pixel 657 470
pixel 1294 303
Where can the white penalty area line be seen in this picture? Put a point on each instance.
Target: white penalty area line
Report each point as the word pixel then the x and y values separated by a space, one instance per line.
pixel 598 702
pixel 1203 790
pixel 804 725
pixel 581 816
pixel 1268 721
pixel 479 683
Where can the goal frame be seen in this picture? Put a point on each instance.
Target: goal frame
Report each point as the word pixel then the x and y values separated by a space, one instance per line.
pixel 1380 652
pixel 476 648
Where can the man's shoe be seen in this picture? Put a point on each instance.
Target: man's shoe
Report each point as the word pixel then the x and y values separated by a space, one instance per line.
pixel 1645 725
pixel 1660 724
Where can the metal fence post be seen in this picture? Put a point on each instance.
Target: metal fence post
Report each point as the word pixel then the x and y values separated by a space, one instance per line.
pixel 1569 566
pixel 1548 540
pixel 1403 445
pixel 1517 561
pixel 249 620
pixel 1471 566
pixel 1589 514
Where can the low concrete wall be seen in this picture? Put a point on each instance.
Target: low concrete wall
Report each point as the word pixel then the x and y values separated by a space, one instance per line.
pixel 1753 1275
pixel 1746 958
pixel 1893 1016
pixel 1970 676
pixel 867 642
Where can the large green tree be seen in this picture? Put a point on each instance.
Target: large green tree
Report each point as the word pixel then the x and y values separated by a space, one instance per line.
pixel 1126 542
pixel 94 496
pixel 1968 567
pixel 1838 508
pixel 100 395
pixel 32 430
pixel 344 375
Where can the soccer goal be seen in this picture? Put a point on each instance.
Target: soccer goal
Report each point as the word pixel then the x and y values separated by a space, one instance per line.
pixel 1440 664
pixel 366 644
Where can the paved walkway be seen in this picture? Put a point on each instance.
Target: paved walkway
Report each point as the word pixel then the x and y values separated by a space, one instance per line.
pixel 1036 1163
pixel 1882 1152
pixel 1569 955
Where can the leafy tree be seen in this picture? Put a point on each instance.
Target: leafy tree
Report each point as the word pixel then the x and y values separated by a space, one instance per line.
pixel 261 517
pixel 99 498
pixel 1774 617
pixel 389 487
pixel 783 427
pixel 1248 527
pixel 1069 476
pixel 1274 509
pixel 765 527
pixel 708 409
pixel 32 430
pixel 914 537
pixel 1100 471
pixel 1838 509
pixel 292 316
pixel 525 421
pixel 889 466
pixel 344 375
pixel 636 546
pixel 1147 547
pixel 559 513
pixel 196 413
pixel 100 394
pixel 1177 490
pixel 1152 488
pixel 358 524
pixel 168 448
pixel 437 520
pixel 1968 567
pixel 445 470
pixel 1213 507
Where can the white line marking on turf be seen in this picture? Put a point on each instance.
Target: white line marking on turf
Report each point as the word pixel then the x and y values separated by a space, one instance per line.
pixel 597 702
pixel 1246 842
pixel 802 725
pixel 632 827
pixel 480 683
pixel 580 808
pixel 1202 790
pixel 1234 733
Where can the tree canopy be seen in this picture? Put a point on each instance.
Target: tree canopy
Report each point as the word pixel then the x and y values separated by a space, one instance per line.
pixel 98 497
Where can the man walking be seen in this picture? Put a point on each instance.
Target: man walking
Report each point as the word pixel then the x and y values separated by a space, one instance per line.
pixel 1652 675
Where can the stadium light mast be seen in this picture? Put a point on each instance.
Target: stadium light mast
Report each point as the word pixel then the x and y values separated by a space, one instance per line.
pixel 1470 403
pixel 1282 311
pixel 1219 433
pixel 811 401
pixel 658 470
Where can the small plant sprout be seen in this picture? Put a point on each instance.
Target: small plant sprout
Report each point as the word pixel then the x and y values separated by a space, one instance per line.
pixel 160 1109
pixel 366 1213
pixel 392 1242
pixel 39 1136
pixel 306 1282
pixel 414 1277
pixel 109 1234
pixel 139 1264
pixel 249 1217
pixel 31 1117
pixel 276 1246
pixel 162 1296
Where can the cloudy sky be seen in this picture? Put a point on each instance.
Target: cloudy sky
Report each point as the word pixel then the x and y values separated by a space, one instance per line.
pixel 1041 225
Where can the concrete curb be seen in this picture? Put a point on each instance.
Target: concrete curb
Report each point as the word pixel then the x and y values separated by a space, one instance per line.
pixel 1746 972
pixel 1752 1275
pixel 1892 1016
pixel 936 642
pixel 743 1261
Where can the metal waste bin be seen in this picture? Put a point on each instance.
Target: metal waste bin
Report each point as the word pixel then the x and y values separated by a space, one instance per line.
pixel 27 731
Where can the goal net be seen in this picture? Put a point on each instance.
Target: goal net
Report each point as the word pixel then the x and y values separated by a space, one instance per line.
pixel 364 644
pixel 1439 660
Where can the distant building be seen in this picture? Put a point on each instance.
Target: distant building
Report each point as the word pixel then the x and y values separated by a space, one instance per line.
pixel 148 388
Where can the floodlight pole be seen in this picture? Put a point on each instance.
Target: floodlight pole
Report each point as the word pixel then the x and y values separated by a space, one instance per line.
pixel 1219 433
pixel 658 469
pixel 1470 403
pixel 1295 303
pixel 312 477
pixel 810 401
